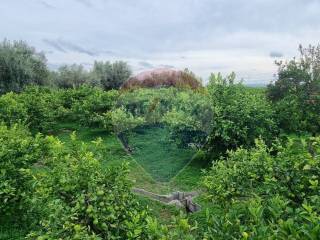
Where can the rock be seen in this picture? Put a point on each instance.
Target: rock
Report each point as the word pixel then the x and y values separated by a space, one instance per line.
pixel 176 203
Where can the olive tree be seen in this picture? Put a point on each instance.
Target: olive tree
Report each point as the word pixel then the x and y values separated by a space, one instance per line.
pixel 20 65
pixel 70 76
pixel 110 75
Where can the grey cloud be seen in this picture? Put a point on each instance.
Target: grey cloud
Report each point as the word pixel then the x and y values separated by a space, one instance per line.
pixel 275 54
pixel 76 48
pixel 54 44
pixel 63 45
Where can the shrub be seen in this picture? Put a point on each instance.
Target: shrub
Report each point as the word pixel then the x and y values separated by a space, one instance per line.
pixel 90 109
pixel 43 108
pixel 84 200
pixel 239 116
pixel 190 118
pixel 296 92
pixel 12 110
pixel 19 151
pixel 261 196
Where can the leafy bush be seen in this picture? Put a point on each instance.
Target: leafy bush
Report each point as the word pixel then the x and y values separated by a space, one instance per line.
pixel 90 109
pixel 83 199
pixel 190 118
pixel 123 122
pixel 296 92
pixel 12 110
pixel 19 151
pixel 43 108
pixel 239 116
pixel 261 196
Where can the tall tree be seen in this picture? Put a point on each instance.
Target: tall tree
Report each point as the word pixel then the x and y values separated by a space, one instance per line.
pixel 70 76
pixel 20 65
pixel 110 75
pixel 296 92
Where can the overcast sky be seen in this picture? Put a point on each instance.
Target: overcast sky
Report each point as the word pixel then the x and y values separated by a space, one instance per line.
pixel 245 36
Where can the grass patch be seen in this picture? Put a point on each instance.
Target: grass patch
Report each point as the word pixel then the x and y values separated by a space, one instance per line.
pixel 189 177
pixel 154 151
pixel 162 212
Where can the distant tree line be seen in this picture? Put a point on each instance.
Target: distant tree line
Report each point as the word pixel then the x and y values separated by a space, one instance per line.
pixel 22 65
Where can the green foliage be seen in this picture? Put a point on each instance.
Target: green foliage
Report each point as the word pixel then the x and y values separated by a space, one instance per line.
pixel 190 118
pixel 41 108
pixel 19 151
pixel 90 110
pixel 259 195
pixel 151 104
pixel 20 65
pixel 124 121
pixel 12 110
pixel 70 76
pixel 110 75
pixel 187 112
pixel 296 92
pixel 84 200
pixel 239 116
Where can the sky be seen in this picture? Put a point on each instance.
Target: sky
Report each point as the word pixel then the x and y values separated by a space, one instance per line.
pixel 205 36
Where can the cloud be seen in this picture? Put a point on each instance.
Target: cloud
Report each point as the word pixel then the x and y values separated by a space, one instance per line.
pixel 63 45
pixel 204 36
pixel 46 4
pixel 54 44
pixel 87 3
pixel 76 48
pixel 146 64
pixel 276 54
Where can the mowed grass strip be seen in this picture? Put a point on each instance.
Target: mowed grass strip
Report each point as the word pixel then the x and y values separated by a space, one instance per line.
pixel 159 156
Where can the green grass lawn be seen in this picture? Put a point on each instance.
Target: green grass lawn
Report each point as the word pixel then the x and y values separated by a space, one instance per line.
pixel 154 151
